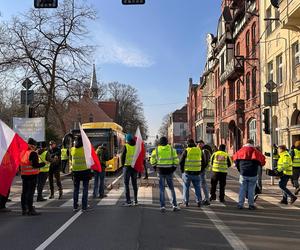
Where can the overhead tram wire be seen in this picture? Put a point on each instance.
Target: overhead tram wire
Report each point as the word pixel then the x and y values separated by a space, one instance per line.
pixel 163 104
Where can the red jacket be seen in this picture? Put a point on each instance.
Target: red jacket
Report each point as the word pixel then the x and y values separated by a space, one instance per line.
pixel 250 153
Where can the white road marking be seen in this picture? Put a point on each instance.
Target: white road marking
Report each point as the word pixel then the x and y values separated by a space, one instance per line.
pixel 69 203
pixel 47 242
pixel 145 195
pixel 275 202
pixel 44 203
pixel 112 198
pixel 235 196
pixel 232 239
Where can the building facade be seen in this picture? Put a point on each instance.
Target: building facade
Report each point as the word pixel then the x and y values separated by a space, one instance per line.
pixel 280 64
pixel 192 108
pixel 178 126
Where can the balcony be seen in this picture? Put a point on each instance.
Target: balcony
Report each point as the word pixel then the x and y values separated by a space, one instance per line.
pixel 234 69
pixel 235 108
pixel 290 14
pixel 205 113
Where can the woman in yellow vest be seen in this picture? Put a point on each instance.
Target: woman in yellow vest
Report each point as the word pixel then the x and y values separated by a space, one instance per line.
pixel 64 158
pixel 81 173
pixel 285 166
pixel 295 154
pixel 43 175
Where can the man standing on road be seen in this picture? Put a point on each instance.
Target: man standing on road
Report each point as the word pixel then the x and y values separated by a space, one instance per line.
pixel 80 173
pixel 128 170
pixel 44 171
pixel 54 170
pixel 285 166
pixel 64 158
pixel 99 180
pixel 220 162
pixel 247 160
pixel 295 154
pixel 29 167
pixel 190 165
pixel 206 154
pixel 165 158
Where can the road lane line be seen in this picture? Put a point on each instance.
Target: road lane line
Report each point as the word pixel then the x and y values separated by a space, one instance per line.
pixel 231 238
pixel 145 195
pixel 47 242
pixel 235 196
pixel 44 203
pixel 69 203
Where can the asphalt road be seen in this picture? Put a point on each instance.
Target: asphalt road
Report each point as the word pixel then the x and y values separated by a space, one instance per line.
pixel 109 225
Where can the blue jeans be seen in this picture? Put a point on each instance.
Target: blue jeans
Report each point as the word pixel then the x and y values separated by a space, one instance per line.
pixel 169 179
pixel 99 184
pixel 285 191
pixel 85 192
pixel 130 172
pixel 187 179
pixel 203 185
pixel 247 186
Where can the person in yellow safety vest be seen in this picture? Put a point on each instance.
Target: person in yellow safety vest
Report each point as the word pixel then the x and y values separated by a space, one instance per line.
pixel 165 158
pixel 64 158
pixel 190 165
pixel 128 170
pixel 43 175
pixel 80 173
pixel 295 154
pixel 220 162
pixel 285 166
pixel 29 167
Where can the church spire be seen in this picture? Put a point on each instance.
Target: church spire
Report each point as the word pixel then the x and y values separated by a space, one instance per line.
pixel 94 86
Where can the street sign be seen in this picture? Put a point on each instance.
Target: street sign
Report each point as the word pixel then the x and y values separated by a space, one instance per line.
pixel 27 84
pixel 30 127
pixel 271 85
pixel 271 99
pixel 45 3
pixel 128 2
pixel 30 97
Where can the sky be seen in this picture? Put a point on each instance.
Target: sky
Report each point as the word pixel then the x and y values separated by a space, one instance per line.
pixel 154 47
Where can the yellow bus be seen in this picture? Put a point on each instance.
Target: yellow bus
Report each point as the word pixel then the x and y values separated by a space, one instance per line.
pixel 108 133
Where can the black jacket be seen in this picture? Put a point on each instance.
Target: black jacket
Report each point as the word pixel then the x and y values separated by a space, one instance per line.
pixel 54 158
pixel 247 168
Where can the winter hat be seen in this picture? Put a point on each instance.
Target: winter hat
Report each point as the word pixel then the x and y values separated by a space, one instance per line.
pixel 32 141
pixel 129 137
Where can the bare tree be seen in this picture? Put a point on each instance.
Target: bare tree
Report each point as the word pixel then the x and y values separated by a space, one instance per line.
pixel 46 46
pixel 163 130
pixel 131 112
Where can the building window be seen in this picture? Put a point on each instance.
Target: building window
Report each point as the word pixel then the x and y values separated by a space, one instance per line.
pixel 252 130
pixel 248 86
pixel 253 38
pixel 231 92
pixel 238 49
pixel 238 89
pixel 253 82
pixel 296 58
pixel 247 43
pixel 270 71
pixel 279 69
pixel 222 63
pixel 268 22
pixel 224 98
pixel 277 16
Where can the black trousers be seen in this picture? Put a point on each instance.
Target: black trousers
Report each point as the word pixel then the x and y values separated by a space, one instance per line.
pixel 218 177
pixel 3 200
pixel 54 172
pixel 28 189
pixel 64 164
pixel 41 181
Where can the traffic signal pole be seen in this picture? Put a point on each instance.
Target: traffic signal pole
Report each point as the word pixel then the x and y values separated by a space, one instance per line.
pixel 271 139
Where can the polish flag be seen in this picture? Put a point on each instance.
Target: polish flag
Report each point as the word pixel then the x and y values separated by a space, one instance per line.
pixel 139 155
pixel 91 158
pixel 12 147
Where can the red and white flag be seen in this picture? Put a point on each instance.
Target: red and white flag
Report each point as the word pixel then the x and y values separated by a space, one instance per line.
pixel 91 158
pixel 139 155
pixel 12 147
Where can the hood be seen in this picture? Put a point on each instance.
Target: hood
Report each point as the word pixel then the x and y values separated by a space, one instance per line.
pixel 131 142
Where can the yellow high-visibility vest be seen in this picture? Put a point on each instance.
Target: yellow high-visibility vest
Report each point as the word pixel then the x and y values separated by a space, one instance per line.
pixel 164 157
pixel 130 150
pixel 78 159
pixel 219 163
pixel 285 163
pixel 42 158
pixel 296 161
pixel 193 159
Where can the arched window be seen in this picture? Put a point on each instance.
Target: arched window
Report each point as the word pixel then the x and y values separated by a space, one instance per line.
pixel 295 120
pixel 224 98
pixel 252 130
pixel 248 86
pixel 253 38
pixel 238 50
pixel 253 82
pixel 247 43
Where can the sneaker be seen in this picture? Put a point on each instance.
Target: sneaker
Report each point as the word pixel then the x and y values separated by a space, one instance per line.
pixel 85 209
pixel 163 209
pixel 199 204
pixel 185 204
pixel 127 204
pixel 293 199
pixel 240 207
pixel 145 178
pixel 33 212
pixel 136 203
pixel 206 203
pixel 222 201
pixel 283 202
pixel 176 208
pixel 251 207
pixel 75 209
pixel 102 196
pixel 212 198
pixel 51 196
pixel 60 194
pixel 255 197
pixel 40 199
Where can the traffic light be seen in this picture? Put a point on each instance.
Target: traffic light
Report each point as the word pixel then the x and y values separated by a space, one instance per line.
pixel 266 121
pixel 45 3
pixel 127 2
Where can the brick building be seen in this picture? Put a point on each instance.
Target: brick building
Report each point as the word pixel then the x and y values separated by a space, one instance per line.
pixel 237 82
pixel 177 126
pixel 192 109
